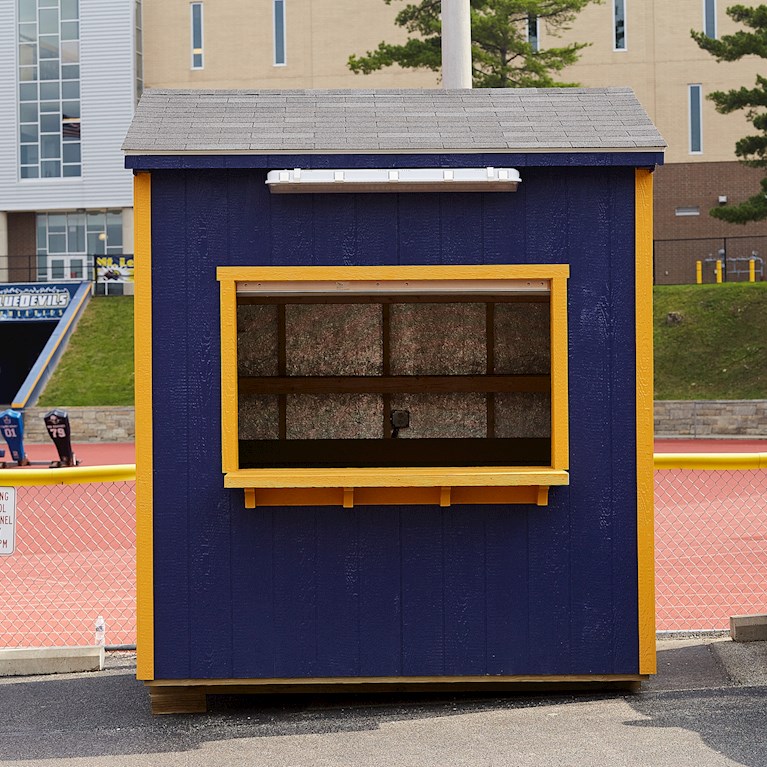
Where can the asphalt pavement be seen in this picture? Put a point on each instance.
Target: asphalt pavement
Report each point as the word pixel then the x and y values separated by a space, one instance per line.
pixel 706 707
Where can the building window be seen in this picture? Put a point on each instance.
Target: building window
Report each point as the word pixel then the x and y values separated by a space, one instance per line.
pixel 197 36
pixel 619 24
pixel 709 18
pixel 49 89
pixel 306 392
pixel 533 36
pixel 279 33
pixel 68 242
pixel 139 52
pixel 696 119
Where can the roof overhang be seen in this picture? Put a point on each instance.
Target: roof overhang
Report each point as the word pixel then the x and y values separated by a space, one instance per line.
pixel 511 149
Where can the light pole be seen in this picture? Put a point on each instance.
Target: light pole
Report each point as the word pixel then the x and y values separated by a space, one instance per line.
pixel 456 44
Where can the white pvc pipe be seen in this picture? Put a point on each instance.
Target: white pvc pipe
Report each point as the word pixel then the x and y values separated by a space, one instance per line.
pixel 456 44
pixel 4 273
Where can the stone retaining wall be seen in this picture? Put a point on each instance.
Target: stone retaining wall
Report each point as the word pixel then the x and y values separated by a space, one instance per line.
pixel 711 418
pixel 89 424
pixel 673 418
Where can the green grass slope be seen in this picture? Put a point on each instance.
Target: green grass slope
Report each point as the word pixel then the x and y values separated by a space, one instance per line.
pixel 711 341
pixel 97 365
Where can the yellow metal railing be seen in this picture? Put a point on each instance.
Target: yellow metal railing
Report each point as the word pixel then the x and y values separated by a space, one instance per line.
pixel 127 472
pixel 71 476
pixel 712 461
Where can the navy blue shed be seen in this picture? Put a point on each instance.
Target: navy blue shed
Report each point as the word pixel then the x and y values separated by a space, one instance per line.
pixel 393 389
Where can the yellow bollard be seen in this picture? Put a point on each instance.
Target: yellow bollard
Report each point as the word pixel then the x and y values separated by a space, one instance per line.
pixel 699 272
pixel 752 270
pixel 718 271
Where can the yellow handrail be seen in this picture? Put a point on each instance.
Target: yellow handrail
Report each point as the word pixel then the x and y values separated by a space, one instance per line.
pixel 127 472
pixel 68 476
pixel 711 461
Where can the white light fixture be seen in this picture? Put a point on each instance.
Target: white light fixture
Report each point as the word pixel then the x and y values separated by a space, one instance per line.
pixel 303 180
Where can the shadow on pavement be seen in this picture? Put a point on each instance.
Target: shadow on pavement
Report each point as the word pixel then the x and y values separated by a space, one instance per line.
pixel 108 715
pixel 694 691
pixel 731 721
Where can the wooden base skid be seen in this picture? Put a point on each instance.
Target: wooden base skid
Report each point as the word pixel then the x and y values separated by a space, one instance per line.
pixel 189 696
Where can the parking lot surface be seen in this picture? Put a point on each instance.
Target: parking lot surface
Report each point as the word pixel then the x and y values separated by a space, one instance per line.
pixel 706 707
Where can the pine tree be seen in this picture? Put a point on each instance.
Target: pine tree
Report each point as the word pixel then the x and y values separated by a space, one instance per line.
pixel 751 149
pixel 503 56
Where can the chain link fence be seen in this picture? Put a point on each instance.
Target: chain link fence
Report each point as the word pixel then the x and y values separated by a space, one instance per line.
pixel 710 547
pixel 74 559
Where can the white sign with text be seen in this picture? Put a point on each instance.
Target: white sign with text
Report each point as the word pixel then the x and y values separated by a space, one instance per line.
pixel 7 520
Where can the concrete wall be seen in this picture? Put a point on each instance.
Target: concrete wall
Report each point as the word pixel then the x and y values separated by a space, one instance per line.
pixel 728 418
pixel 660 61
pixel 238 45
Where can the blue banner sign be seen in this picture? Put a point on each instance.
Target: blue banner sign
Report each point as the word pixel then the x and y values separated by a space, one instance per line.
pixel 35 301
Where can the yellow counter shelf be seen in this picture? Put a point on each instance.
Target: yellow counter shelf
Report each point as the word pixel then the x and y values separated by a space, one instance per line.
pixel 350 487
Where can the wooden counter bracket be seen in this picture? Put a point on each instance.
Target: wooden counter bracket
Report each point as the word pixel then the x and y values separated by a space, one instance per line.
pixel 348 497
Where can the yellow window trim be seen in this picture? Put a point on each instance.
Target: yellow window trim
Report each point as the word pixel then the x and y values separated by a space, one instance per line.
pixel 469 484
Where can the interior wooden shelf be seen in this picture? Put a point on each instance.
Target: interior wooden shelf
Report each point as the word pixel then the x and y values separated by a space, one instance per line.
pixel 392 384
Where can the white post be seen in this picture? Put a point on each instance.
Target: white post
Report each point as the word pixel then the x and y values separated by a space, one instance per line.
pixel 127 230
pixel 456 44
pixel 128 243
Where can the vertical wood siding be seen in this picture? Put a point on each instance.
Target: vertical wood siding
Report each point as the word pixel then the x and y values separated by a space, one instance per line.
pixel 381 591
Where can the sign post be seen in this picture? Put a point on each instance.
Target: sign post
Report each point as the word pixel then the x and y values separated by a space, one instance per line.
pixel 7 521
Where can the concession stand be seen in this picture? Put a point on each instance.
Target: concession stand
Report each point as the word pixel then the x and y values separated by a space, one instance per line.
pixel 393 390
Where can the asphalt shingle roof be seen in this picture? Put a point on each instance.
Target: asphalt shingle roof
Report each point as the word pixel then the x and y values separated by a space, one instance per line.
pixel 345 121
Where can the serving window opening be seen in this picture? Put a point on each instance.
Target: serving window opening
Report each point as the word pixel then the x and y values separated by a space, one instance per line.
pixel 451 373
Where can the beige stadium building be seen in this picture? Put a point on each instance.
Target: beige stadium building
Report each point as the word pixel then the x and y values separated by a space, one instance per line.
pixel 643 44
